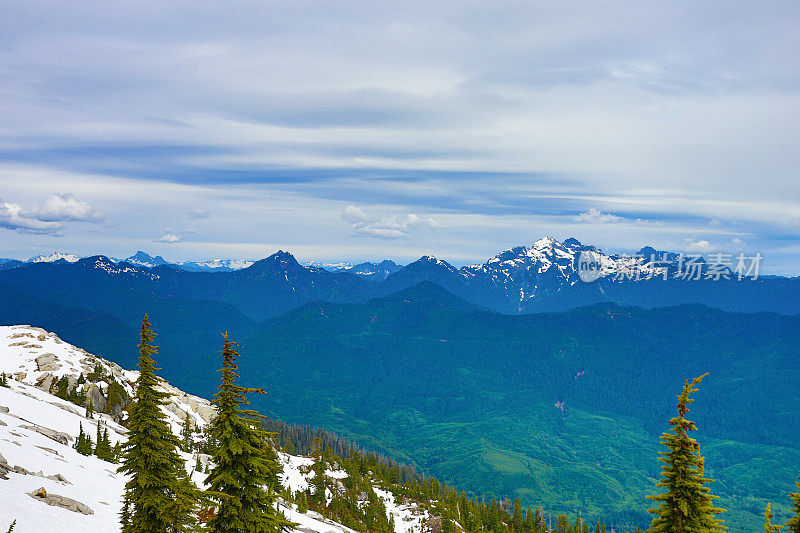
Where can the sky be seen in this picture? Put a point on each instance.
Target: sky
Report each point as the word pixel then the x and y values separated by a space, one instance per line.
pixel 348 131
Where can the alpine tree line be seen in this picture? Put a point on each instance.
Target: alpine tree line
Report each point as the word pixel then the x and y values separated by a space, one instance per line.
pixel 243 483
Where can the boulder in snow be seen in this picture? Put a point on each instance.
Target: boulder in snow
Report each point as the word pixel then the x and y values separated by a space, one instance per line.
pixel 60 501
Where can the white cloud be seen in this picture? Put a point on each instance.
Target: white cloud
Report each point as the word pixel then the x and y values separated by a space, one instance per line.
pixel 199 212
pixel 596 216
pixel 170 238
pixel 63 208
pixel 715 223
pixel 46 219
pixel 388 227
pixel 698 246
pixel 14 218
pixel 354 215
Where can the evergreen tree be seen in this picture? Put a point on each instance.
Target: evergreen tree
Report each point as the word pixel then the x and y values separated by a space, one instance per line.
pixel 98 439
pixel 288 447
pixel 3 380
pixel 116 453
pixel 187 432
pixel 793 525
pixel 517 518
pixel 319 481
pixel 302 503
pixel 687 505
pixel 90 410
pixel 159 498
pixel 103 448
pixel 769 527
pixel 246 465
pixel 83 444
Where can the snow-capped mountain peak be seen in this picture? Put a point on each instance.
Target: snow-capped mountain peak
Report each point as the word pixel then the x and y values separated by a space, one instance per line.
pixel 53 257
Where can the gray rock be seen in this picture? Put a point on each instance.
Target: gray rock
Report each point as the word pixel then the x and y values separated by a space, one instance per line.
pixel 61 438
pixel 47 363
pixel 46 382
pixel 95 395
pixel 60 501
pixel 67 408
pixel 49 450
pixel 58 477
pixel 3 409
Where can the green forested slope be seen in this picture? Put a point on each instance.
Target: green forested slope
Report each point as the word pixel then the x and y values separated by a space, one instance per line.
pixel 471 396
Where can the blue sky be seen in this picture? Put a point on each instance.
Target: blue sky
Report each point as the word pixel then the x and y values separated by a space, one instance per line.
pixel 364 130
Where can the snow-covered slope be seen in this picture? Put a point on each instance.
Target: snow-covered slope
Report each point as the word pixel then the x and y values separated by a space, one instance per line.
pixel 38 431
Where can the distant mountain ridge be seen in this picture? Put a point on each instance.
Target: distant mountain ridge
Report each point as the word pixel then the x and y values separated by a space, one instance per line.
pixel 141 258
pixel 544 276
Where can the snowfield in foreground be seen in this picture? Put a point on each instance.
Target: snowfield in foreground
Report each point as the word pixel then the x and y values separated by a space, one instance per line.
pixel 38 432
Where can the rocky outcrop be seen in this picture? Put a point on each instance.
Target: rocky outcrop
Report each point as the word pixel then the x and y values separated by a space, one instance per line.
pixel 53 477
pixel 45 382
pixel 60 501
pixel 95 396
pixel 61 438
pixel 47 363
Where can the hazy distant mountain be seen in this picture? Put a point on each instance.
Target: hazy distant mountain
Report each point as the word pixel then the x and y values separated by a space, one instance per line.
pixel 374 271
pixel 524 279
pixel 214 265
pixel 53 257
pixel 141 258
pixel 368 270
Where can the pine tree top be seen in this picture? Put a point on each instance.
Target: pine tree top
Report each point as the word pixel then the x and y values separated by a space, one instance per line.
pixel 159 493
pixel 769 527
pixel 246 467
pixel 687 504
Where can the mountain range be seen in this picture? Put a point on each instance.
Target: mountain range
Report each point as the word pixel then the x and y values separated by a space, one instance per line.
pixel 542 277
pixel 510 378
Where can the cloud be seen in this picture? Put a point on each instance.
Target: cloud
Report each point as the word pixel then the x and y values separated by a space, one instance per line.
pixel 354 215
pixel 698 246
pixel 199 212
pixel 46 219
pixel 63 208
pixel 170 238
pixel 14 218
pixel 389 227
pixel 596 216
